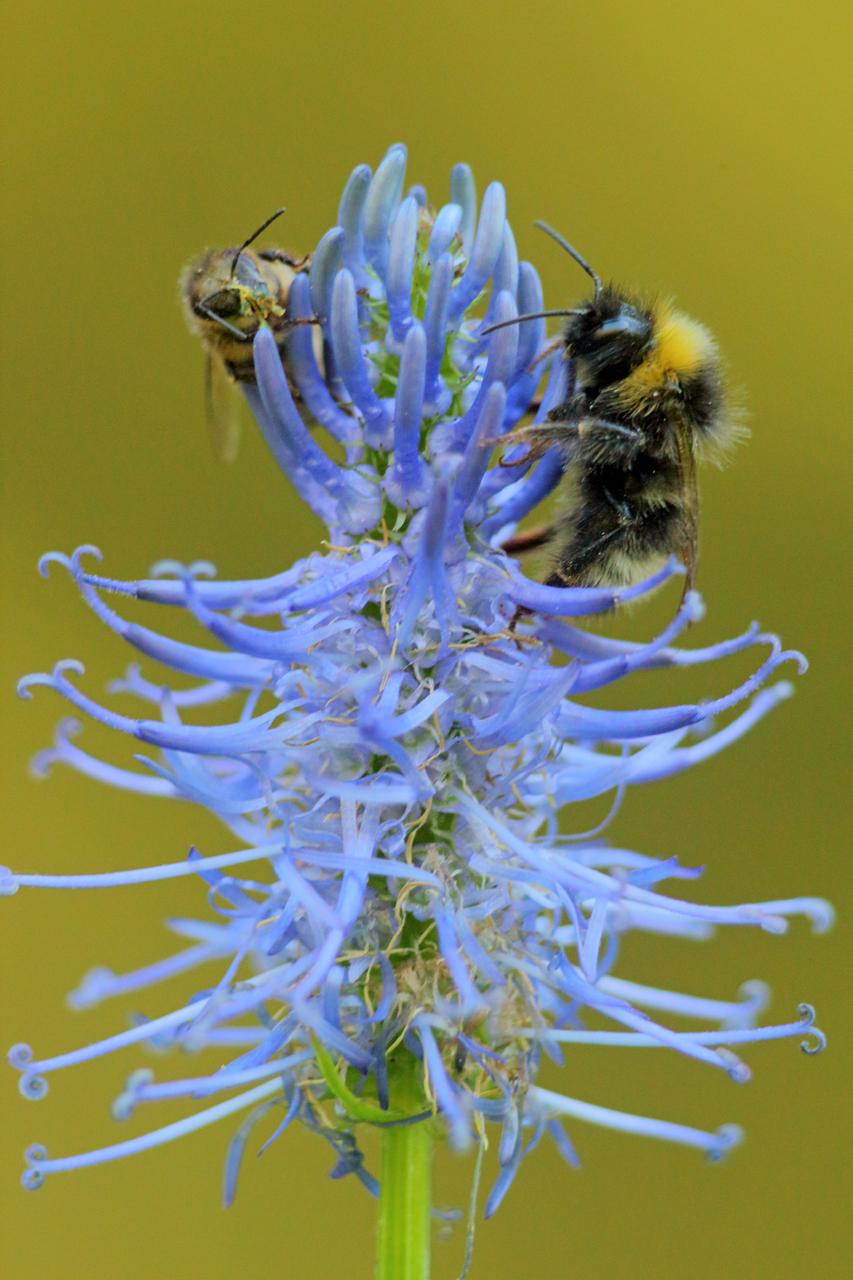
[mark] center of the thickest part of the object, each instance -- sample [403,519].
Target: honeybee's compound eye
[225,304]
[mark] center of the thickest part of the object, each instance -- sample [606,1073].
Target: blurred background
[704,151]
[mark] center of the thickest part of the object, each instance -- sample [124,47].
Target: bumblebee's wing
[690,495]
[223,409]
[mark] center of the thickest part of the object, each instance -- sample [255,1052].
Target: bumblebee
[646,402]
[227,295]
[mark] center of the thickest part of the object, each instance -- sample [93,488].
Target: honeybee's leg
[279,255]
[291,323]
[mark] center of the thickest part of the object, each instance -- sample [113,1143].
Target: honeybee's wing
[690,497]
[223,409]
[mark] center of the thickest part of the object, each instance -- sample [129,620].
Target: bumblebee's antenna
[555,235]
[254,236]
[530,315]
[542,315]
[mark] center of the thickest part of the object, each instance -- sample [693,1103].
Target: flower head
[399,745]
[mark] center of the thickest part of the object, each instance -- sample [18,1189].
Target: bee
[228,294]
[646,402]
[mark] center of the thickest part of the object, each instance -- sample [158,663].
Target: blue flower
[395,754]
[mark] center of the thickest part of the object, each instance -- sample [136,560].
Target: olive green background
[705,152]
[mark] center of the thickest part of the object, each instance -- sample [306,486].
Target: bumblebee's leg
[521,611]
[547,350]
[618,443]
[528,541]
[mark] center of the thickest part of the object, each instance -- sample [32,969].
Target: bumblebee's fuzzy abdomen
[621,524]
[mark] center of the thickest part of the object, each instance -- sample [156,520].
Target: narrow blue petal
[324,268]
[506,276]
[477,453]
[358,500]
[39,1164]
[382,199]
[677,759]
[281,446]
[340,578]
[408,482]
[351,218]
[346,341]
[484,254]
[576,602]
[531,334]
[444,1089]
[447,223]
[506,488]
[418,192]
[714,1144]
[398,287]
[500,367]
[428,577]
[437,396]
[463,192]
[309,379]
[503,1182]
[236,1147]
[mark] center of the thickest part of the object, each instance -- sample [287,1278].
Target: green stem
[405,1203]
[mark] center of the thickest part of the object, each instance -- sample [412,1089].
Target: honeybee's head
[218,283]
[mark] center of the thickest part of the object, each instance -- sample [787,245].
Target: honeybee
[646,402]
[227,295]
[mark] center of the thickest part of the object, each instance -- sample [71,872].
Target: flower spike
[393,747]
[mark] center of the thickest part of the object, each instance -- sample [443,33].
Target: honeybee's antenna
[254,236]
[555,235]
